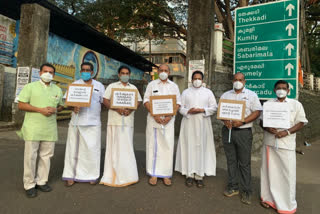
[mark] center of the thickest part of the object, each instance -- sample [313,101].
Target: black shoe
[246,198]
[44,188]
[31,193]
[200,183]
[189,182]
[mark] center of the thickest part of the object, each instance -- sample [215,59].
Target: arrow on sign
[289,47]
[290,7]
[290,87]
[289,67]
[289,28]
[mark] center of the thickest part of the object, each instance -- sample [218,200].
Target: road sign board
[266,46]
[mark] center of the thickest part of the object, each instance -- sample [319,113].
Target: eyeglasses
[83,70]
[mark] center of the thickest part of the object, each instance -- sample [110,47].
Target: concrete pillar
[33,35]
[33,41]
[218,43]
[317,83]
[200,34]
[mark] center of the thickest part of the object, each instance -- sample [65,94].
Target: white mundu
[278,169]
[196,151]
[160,139]
[120,166]
[82,157]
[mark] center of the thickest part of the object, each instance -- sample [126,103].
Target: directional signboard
[266,46]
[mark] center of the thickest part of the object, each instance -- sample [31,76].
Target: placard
[163,105]
[124,98]
[22,80]
[35,74]
[79,95]
[231,110]
[276,115]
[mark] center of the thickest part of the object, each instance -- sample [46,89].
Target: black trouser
[238,153]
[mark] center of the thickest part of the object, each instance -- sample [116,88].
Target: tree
[313,34]
[131,19]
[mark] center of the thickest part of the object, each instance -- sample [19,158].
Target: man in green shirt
[41,100]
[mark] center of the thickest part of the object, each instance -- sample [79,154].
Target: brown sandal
[265,205]
[167,181]
[69,183]
[153,181]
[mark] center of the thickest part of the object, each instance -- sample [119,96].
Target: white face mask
[46,77]
[163,75]
[237,85]
[197,83]
[281,93]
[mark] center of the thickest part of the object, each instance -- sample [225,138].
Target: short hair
[197,72]
[124,67]
[281,82]
[87,63]
[165,65]
[48,65]
[244,76]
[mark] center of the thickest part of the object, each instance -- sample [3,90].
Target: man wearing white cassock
[278,169]
[120,166]
[196,155]
[82,157]
[160,130]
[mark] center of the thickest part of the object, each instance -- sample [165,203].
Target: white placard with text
[276,115]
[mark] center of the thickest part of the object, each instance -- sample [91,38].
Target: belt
[239,129]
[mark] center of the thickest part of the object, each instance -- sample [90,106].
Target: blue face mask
[86,76]
[124,78]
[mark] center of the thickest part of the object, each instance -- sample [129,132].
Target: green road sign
[266,46]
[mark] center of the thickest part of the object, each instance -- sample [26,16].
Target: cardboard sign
[276,115]
[231,110]
[79,95]
[124,98]
[163,105]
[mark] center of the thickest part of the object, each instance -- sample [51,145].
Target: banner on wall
[7,35]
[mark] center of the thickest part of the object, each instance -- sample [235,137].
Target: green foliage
[133,20]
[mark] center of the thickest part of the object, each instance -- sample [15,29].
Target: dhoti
[120,166]
[82,157]
[159,150]
[278,179]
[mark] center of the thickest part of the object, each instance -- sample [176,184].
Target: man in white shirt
[160,130]
[120,166]
[82,157]
[238,151]
[196,155]
[278,169]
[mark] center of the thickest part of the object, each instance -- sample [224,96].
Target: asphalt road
[141,197]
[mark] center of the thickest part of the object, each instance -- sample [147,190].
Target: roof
[71,28]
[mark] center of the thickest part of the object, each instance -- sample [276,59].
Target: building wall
[65,52]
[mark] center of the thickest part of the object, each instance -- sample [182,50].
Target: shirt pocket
[155,91]
[96,96]
[54,100]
